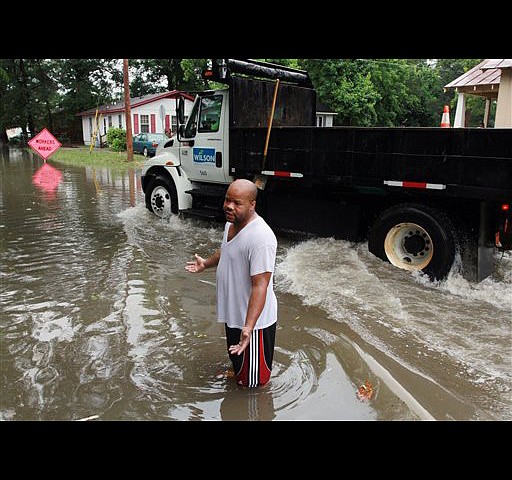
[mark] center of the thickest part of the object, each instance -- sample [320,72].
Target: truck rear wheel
[161,197]
[415,237]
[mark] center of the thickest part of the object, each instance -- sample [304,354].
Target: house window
[90,126]
[120,121]
[319,121]
[144,123]
[110,121]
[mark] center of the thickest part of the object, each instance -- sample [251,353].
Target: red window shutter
[135,123]
[153,123]
[167,122]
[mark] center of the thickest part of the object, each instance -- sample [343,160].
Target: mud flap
[485,262]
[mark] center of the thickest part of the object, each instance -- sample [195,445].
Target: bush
[116,138]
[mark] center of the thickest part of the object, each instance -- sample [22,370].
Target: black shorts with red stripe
[253,367]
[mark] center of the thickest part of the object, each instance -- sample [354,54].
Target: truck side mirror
[181,111]
[180,116]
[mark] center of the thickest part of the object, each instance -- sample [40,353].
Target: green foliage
[96,158]
[152,75]
[27,93]
[37,93]
[83,84]
[193,74]
[286,62]
[448,70]
[346,87]
[155,75]
[406,89]
[116,138]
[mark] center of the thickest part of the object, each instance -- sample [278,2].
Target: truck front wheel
[415,237]
[161,197]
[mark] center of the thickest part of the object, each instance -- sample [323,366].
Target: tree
[448,70]
[286,62]
[377,92]
[153,75]
[367,92]
[406,89]
[4,82]
[84,84]
[28,94]
[346,87]
[193,69]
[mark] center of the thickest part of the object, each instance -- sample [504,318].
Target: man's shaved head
[245,188]
[240,202]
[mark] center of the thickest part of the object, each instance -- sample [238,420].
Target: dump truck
[425,199]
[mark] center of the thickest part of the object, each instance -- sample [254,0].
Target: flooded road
[99,319]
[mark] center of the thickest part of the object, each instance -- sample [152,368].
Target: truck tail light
[503,238]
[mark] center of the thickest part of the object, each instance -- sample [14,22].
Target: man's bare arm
[257,299]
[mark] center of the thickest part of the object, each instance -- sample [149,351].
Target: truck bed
[466,163]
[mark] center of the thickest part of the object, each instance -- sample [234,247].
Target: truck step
[208,191]
[208,198]
[204,213]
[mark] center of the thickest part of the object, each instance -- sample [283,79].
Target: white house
[324,115]
[155,113]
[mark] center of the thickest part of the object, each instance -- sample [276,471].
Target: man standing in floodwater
[246,302]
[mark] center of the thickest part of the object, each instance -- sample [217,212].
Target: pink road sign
[44,143]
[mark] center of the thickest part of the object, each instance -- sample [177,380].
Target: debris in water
[229,373]
[365,391]
[92,417]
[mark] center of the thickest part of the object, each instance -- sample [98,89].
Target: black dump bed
[251,104]
[459,162]
[470,162]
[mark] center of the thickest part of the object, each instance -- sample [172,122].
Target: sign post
[44,143]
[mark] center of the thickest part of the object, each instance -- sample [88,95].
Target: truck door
[203,151]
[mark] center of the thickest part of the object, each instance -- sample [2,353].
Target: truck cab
[193,162]
[191,173]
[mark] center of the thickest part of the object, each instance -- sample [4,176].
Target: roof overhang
[483,79]
[134,103]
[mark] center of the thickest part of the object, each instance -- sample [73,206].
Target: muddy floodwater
[100,321]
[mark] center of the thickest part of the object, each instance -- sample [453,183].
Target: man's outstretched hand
[245,339]
[197,266]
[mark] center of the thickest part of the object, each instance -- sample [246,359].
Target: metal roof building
[491,79]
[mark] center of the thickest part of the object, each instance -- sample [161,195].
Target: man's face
[238,207]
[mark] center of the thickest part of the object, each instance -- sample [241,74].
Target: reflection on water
[100,321]
[47,178]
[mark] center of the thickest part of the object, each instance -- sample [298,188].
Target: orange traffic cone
[445,119]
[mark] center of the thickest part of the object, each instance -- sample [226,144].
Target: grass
[98,157]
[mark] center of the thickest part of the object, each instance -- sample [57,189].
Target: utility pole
[127,111]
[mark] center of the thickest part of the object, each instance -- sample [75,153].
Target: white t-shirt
[250,252]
